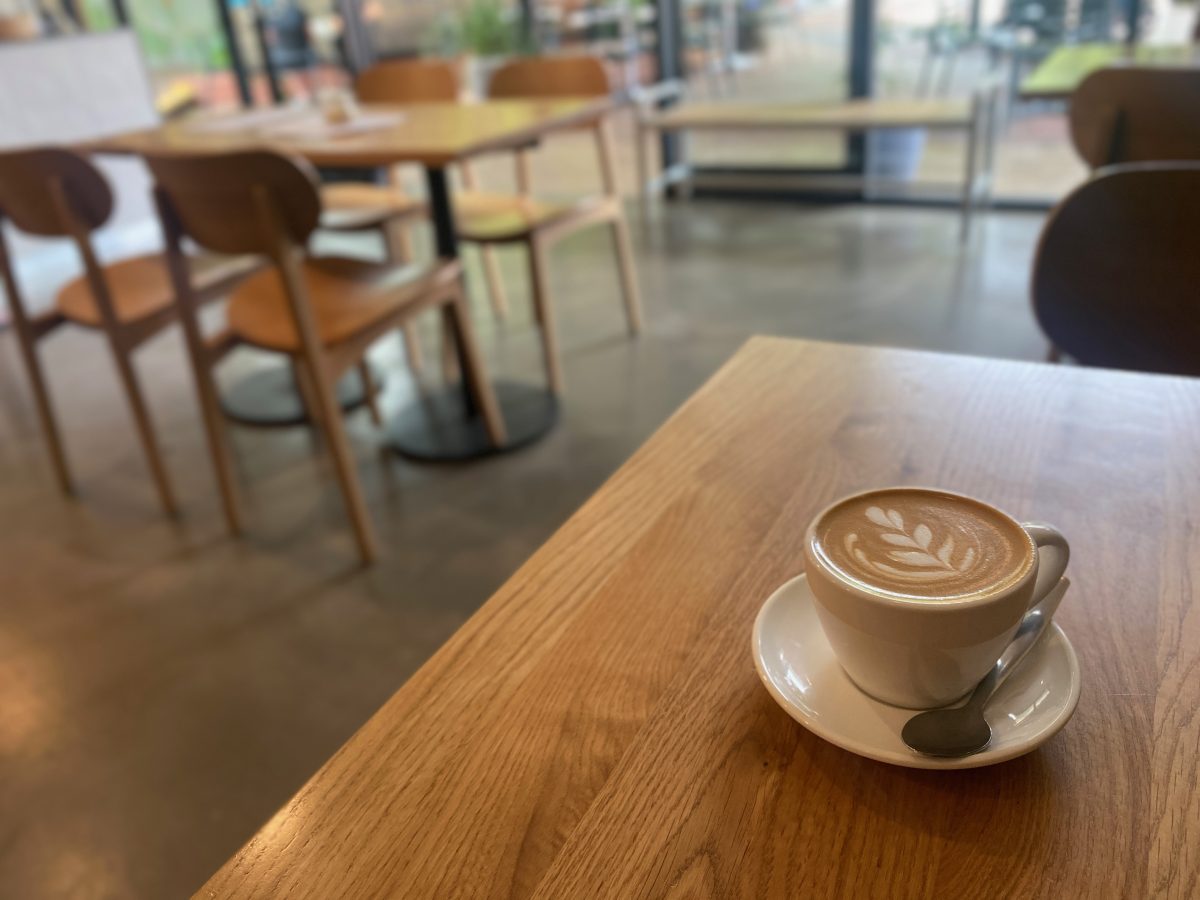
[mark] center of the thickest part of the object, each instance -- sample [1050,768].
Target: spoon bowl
[948,732]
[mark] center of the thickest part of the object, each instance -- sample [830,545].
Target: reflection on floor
[164,689]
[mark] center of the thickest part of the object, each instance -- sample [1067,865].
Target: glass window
[770,51]
[927,48]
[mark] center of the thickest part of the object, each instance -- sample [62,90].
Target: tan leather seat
[348,296]
[140,287]
[498,217]
[354,207]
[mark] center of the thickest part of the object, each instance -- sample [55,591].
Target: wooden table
[597,728]
[1057,76]
[443,425]
[975,118]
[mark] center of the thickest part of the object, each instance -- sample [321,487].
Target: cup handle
[1052,544]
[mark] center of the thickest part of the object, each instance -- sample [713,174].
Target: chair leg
[305,389]
[495,285]
[397,238]
[491,268]
[458,317]
[412,347]
[398,247]
[629,285]
[45,411]
[450,367]
[643,173]
[330,421]
[370,391]
[970,174]
[218,444]
[544,310]
[145,429]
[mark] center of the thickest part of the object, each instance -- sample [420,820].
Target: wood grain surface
[597,728]
[434,134]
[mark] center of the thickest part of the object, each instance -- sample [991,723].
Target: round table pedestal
[268,398]
[436,427]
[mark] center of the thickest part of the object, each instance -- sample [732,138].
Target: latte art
[911,557]
[923,543]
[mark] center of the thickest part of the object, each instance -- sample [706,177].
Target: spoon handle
[1035,622]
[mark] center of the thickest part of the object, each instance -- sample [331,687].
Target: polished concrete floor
[163,689]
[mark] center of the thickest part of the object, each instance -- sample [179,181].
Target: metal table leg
[442,425]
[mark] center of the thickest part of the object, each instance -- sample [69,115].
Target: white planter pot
[477,73]
[895,153]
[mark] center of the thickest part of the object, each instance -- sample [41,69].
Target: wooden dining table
[442,424]
[597,728]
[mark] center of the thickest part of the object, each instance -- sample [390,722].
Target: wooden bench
[975,117]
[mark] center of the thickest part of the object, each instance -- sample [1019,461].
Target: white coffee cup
[930,650]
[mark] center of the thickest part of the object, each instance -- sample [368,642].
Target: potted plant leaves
[483,35]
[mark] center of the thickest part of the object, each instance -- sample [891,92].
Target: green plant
[98,14]
[487,30]
[483,28]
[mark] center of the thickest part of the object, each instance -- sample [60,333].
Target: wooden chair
[415,81]
[354,207]
[521,219]
[20,27]
[1136,114]
[1116,279]
[56,193]
[490,219]
[408,81]
[322,313]
[357,207]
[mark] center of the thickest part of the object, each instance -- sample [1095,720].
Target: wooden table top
[850,114]
[433,134]
[1057,76]
[597,728]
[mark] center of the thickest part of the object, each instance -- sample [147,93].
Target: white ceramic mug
[923,653]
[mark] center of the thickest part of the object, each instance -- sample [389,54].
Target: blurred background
[163,688]
[217,53]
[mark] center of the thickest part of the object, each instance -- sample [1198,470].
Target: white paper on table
[258,119]
[315,127]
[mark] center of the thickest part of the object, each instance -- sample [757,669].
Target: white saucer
[797,666]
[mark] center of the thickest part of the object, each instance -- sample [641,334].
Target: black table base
[441,425]
[437,427]
[268,398]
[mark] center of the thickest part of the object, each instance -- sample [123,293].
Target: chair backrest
[52,192]
[408,81]
[33,184]
[19,26]
[225,201]
[551,76]
[1128,114]
[1116,279]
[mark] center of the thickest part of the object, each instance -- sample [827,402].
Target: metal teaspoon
[963,730]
